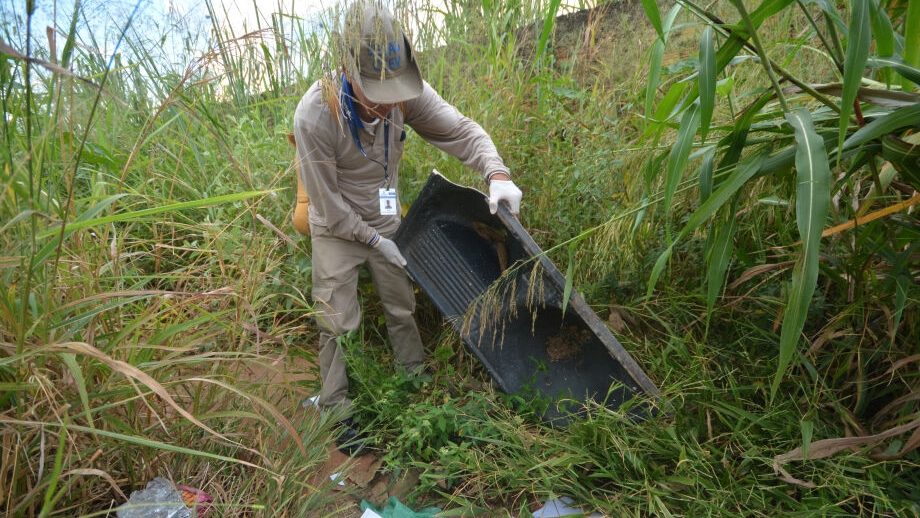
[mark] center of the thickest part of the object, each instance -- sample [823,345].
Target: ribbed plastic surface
[504,297]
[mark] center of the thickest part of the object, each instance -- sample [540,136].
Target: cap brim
[404,87]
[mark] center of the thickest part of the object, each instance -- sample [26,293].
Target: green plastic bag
[396,509]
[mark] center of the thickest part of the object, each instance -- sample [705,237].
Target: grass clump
[154,309]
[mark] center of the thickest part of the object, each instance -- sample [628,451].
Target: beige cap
[378,55]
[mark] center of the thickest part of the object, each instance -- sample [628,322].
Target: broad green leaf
[675,94]
[677,161]
[727,53]
[725,86]
[706,174]
[857,54]
[881,30]
[744,172]
[22,216]
[730,49]
[894,121]
[779,161]
[644,203]
[707,80]
[766,9]
[656,54]
[666,109]
[899,65]
[96,208]
[657,269]
[736,141]
[739,34]
[654,16]
[808,428]
[811,206]
[668,21]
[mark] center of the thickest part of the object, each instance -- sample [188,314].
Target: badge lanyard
[351,116]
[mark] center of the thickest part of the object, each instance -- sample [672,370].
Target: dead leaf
[828,447]
[618,319]
[363,470]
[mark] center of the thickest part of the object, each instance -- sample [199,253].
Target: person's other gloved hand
[390,251]
[504,190]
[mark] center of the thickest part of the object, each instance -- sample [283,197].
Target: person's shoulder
[314,105]
[313,98]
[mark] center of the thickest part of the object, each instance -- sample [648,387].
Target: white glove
[390,251]
[504,190]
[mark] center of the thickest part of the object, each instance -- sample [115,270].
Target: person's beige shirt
[343,184]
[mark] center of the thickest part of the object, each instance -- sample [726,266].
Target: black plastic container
[504,297]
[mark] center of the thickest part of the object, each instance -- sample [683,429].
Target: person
[350,132]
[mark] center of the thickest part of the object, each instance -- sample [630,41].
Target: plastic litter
[159,500]
[396,509]
[559,507]
[163,499]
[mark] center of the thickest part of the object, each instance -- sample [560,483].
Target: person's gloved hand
[504,190]
[389,250]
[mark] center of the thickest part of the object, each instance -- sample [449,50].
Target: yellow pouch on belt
[300,219]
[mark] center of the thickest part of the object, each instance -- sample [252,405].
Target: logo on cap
[385,56]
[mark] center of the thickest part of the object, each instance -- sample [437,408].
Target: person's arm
[315,132]
[443,126]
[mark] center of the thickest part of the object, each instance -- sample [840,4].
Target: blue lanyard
[351,116]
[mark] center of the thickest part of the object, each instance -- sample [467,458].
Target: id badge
[388,205]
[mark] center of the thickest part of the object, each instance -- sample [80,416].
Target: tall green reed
[162,286]
[135,289]
[830,138]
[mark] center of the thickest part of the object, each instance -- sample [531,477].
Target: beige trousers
[336,263]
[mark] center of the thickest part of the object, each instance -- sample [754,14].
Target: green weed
[154,301]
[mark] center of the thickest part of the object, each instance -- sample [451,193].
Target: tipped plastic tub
[504,297]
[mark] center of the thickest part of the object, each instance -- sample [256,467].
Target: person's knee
[403,316]
[336,313]
[335,326]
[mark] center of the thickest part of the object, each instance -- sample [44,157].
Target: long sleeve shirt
[343,184]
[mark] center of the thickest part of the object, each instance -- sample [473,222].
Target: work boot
[348,438]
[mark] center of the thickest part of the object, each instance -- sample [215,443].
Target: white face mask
[371,127]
